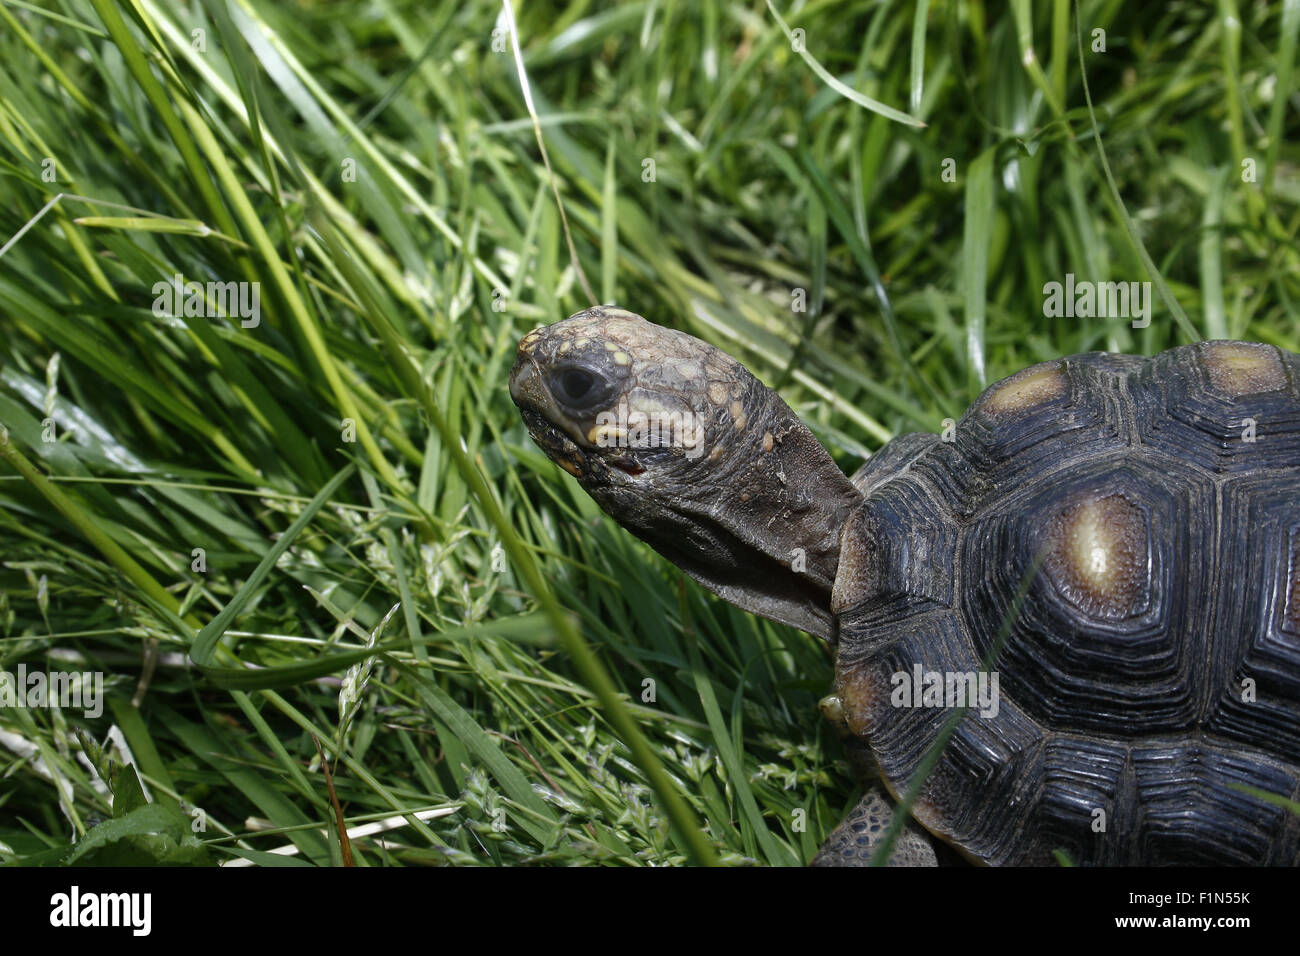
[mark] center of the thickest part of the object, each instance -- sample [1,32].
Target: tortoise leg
[854,841]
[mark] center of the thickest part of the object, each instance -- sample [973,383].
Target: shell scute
[1125,557]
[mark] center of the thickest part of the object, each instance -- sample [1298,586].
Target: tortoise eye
[580,388]
[576,383]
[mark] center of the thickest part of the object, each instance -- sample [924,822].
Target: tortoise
[1080,604]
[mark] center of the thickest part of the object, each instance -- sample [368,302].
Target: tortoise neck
[758,519]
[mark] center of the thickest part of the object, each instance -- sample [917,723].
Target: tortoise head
[685,448]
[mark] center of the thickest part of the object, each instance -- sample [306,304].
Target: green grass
[509,718]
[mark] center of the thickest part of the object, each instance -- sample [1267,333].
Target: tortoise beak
[526,385]
[549,429]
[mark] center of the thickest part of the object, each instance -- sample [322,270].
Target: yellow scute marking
[1098,555]
[1243,368]
[859,697]
[1034,386]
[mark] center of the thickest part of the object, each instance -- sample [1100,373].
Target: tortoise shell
[1111,545]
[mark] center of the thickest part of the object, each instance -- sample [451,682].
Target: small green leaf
[127,793]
